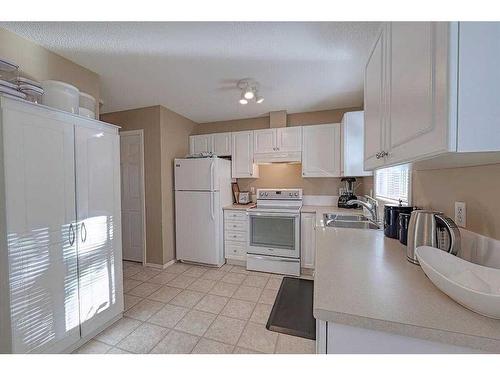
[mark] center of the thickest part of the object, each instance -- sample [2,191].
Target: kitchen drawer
[240,226]
[235,215]
[236,249]
[230,235]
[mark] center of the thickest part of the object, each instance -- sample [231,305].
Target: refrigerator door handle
[212,170]
[212,214]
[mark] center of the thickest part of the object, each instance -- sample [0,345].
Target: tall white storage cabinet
[99,216]
[53,195]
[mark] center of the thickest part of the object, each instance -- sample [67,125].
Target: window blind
[393,183]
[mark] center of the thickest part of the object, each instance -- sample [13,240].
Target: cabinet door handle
[83,233]
[71,234]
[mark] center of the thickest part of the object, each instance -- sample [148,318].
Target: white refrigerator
[202,189]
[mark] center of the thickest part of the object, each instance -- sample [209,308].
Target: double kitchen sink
[349,221]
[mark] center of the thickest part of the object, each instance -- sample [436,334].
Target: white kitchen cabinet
[307,239]
[430,89]
[242,163]
[39,275]
[289,139]
[352,145]
[221,144]
[321,150]
[374,104]
[278,144]
[264,141]
[98,202]
[235,235]
[42,260]
[200,143]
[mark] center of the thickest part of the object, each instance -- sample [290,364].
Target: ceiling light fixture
[249,91]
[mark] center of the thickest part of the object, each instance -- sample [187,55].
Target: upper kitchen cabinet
[351,131]
[374,104]
[219,144]
[429,94]
[321,150]
[278,144]
[242,165]
[200,143]
[222,144]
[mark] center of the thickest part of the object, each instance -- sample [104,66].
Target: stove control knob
[290,194]
[261,194]
[296,194]
[267,194]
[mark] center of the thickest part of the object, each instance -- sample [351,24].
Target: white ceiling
[192,67]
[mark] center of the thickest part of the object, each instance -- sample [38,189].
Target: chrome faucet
[371,205]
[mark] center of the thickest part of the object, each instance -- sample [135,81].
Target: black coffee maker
[347,193]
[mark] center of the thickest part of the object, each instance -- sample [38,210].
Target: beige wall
[165,138]
[40,64]
[477,186]
[175,130]
[147,119]
[290,176]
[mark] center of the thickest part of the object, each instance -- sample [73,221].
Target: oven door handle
[280,214]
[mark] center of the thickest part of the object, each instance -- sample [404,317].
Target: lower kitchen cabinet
[335,338]
[235,235]
[307,239]
[60,253]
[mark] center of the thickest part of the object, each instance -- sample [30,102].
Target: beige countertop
[362,278]
[239,207]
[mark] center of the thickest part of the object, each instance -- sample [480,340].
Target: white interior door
[40,218]
[132,180]
[99,236]
[197,226]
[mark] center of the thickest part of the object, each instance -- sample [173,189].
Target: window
[393,184]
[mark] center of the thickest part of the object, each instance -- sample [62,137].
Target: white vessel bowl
[473,286]
[61,95]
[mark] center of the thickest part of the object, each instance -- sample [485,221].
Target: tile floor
[194,309]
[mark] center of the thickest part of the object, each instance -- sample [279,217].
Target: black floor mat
[292,311]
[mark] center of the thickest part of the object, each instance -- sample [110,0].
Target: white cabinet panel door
[479,77]
[242,160]
[222,144]
[264,141]
[289,139]
[200,143]
[374,104]
[132,192]
[321,150]
[307,239]
[418,85]
[99,216]
[40,212]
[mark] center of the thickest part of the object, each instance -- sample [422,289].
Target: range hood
[278,157]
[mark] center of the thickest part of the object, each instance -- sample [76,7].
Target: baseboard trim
[160,266]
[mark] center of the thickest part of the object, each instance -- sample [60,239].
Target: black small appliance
[347,193]
[391,218]
[404,219]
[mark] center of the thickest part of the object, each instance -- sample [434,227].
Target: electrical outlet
[460,214]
